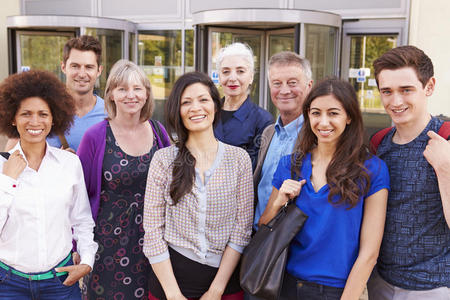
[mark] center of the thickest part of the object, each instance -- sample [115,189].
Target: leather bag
[264,259]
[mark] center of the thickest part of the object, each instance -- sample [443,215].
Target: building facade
[340,38]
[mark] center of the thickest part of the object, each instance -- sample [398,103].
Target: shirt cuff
[9,186]
[238,248]
[159,258]
[88,259]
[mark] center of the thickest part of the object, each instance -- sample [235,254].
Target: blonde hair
[127,72]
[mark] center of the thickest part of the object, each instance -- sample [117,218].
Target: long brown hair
[183,172]
[346,174]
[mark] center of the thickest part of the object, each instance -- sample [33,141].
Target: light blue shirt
[282,144]
[80,125]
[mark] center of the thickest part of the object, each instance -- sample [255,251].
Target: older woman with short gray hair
[241,120]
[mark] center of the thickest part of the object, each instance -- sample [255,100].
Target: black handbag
[264,259]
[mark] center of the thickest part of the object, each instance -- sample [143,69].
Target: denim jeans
[295,289]
[14,287]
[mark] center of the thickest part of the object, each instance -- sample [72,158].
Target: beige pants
[379,289]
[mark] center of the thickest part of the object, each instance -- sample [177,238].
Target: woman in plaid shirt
[198,202]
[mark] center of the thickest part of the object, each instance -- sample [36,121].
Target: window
[364,49]
[42,50]
[159,55]
[321,49]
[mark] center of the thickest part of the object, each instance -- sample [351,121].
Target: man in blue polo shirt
[414,260]
[289,82]
[81,65]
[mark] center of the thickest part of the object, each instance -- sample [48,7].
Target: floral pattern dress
[121,271]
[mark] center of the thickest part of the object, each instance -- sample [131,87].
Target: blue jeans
[14,287]
[295,289]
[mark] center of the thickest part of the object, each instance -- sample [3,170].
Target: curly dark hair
[183,172]
[346,174]
[35,83]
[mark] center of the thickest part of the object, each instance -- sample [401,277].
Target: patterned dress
[121,271]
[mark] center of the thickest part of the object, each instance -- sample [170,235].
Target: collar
[292,129]
[244,110]
[49,151]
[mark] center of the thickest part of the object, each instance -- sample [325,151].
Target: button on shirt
[282,144]
[39,210]
[244,128]
[216,213]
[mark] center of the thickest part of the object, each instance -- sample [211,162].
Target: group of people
[138,217]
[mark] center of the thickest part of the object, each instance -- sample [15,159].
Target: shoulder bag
[264,259]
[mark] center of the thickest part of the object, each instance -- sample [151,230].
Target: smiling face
[129,97]
[235,76]
[288,89]
[33,120]
[197,108]
[328,119]
[81,71]
[403,95]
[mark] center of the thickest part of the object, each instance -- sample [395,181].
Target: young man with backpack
[414,260]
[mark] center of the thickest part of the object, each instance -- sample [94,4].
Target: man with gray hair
[289,82]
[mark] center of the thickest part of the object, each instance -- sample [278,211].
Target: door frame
[368,27]
[242,31]
[14,48]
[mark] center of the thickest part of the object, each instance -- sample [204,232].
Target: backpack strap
[63,141]
[5,154]
[378,136]
[444,131]
[376,139]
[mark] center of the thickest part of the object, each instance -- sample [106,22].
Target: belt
[40,276]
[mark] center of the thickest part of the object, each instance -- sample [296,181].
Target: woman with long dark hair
[198,202]
[342,188]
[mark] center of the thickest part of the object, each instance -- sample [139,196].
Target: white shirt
[39,210]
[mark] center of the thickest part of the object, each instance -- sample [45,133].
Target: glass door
[221,37]
[41,50]
[321,48]
[112,51]
[364,49]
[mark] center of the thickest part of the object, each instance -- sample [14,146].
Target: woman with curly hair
[198,202]
[342,188]
[43,199]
